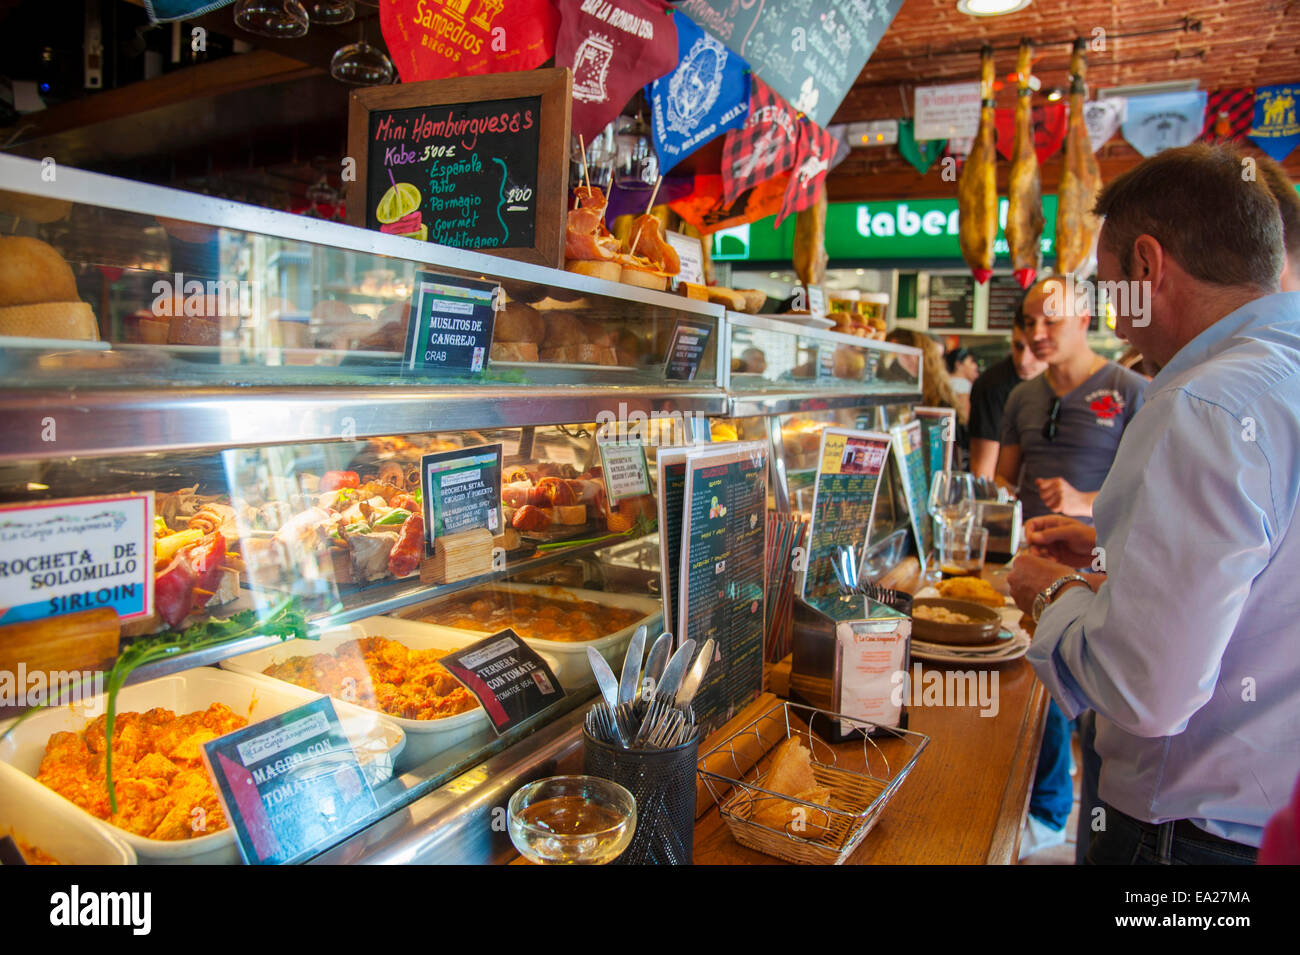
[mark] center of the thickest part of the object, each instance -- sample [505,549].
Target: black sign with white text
[509,677]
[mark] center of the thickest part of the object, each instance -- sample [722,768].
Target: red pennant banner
[816,151]
[614,47]
[1228,115]
[434,39]
[766,145]
[1049,121]
[706,209]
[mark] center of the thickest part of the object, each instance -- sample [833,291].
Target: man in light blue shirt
[1188,648]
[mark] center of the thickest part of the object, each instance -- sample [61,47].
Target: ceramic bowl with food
[954,622]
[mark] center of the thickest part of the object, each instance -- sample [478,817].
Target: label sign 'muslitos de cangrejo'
[59,557]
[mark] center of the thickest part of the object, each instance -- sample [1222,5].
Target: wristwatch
[1048,594]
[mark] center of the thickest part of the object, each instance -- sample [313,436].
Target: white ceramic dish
[424,738]
[55,825]
[377,741]
[568,660]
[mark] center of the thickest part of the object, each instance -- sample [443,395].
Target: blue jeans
[1090,773]
[1126,841]
[1053,794]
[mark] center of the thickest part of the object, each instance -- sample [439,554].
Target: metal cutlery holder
[663,783]
[823,674]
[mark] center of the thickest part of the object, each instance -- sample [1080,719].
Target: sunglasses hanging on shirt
[1049,429]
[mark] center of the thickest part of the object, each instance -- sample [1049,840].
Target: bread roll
[193,330]
[32,272]
[34,208]
[725,296]
[584,354]
[791,774]
[562,328]
[596,332]
[643,279]
[595,268]
[72,320]
[518,322]
[755,299]
[513,351]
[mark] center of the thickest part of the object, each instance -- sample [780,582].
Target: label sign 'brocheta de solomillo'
[59,557]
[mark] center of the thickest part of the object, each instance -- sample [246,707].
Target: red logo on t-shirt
[1106,406]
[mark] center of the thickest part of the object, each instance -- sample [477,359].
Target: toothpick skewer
[650,205]
[585,178]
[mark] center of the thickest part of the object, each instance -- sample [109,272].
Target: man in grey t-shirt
[1060,431]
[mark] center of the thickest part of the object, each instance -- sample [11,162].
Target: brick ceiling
[1216,42]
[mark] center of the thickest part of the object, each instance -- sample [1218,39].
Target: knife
[691,685]
[671,681]
[608,689]
[659,653]
[631,676]
[665,689]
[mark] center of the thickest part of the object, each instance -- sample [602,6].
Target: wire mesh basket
[862,776]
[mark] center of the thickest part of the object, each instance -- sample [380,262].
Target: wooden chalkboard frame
[554,86]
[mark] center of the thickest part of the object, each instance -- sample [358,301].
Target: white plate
[424,738]
[377,741]
[1000,652]
[55,825]
[568,661]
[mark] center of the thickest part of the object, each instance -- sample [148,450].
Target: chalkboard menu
[463,175]
[844,501]
[810,53]
[1005,294]
[909,458]
[473,163]
[952,302]
[724,527]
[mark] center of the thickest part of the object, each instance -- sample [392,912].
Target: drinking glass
[362,64]
[952,503]
[961,550]
[573,820]
[952,498]
[331,12]
[279,19]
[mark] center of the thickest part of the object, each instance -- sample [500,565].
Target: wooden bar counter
[964,800]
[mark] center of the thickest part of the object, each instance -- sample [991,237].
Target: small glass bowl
[546,846]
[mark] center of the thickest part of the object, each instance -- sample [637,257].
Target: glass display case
[257,378]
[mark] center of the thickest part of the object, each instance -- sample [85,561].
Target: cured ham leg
[977,186]
[1025,189]
[1076,226]
[810,241]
